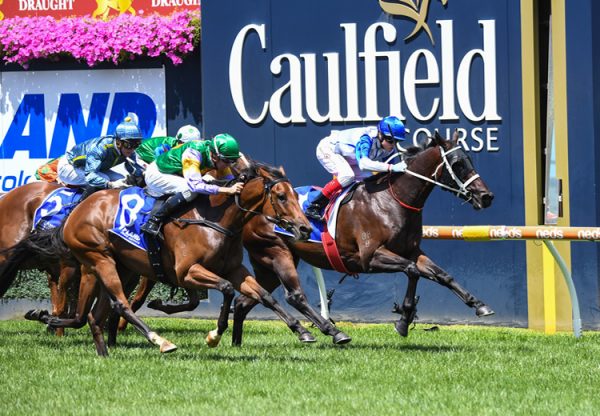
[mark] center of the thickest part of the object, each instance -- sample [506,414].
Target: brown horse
[387,209]
[193,256]
[17,209]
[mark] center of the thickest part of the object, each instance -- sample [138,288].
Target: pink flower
[124,37]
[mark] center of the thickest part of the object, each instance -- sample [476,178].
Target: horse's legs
[409,306]
[96,317]
[107,272]
[168,308]
[279,265]
[199,277]
[144,288]
[59,289]
[432,271]
[383,260]
[131,280]
[242,306]
[246,284]
[87,294]
[57,300]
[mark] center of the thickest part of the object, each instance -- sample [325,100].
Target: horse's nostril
[486,199]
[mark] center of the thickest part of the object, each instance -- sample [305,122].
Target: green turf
[456,370]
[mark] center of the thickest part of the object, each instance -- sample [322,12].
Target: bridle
[277,219]
[462,186]
[460,191]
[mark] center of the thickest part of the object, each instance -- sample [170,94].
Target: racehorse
[17,209]
[193,257]
[385,208]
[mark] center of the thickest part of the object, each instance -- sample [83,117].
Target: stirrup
[152,228]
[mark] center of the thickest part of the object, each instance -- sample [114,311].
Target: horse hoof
[164,344]
[213,338]
[484,310]
[307,338]
[167,347]
[35,314]
[402,327]
[154,304]
[340,338]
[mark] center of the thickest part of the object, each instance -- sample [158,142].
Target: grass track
[457,370]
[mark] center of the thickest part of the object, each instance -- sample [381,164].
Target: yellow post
[532,160]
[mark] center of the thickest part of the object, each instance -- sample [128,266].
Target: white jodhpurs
[159,184]
[336,164]
[69,175]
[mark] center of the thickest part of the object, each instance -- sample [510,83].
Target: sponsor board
[45,113]
[281,77]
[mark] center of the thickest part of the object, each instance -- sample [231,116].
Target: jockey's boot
[314,209]
[154,223]
[316,206]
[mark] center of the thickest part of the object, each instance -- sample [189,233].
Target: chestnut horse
[387,208]
[193,257]
[17,209]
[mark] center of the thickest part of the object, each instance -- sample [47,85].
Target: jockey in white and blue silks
[355,154]
[89,164]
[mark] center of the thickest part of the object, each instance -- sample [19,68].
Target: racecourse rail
[505,232]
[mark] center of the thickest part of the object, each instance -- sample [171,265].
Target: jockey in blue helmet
[355,154]
[89,164]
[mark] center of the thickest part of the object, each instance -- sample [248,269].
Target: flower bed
[93,41]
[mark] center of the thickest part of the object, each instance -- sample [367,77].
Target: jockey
[150,149]
[179,173]
[354,154]
[88,164]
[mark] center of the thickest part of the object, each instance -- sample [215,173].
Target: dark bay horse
[378,231]
[193,256]
[17,209]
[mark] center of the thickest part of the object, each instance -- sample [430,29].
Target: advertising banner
[45,113]
[101,9]
[281,75]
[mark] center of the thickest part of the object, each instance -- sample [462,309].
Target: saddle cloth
[55,208]
[134,208]
[306,194]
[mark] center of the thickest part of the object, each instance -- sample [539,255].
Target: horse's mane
[408,154]
[253,167]
[412,152]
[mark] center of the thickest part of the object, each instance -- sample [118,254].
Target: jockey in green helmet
[180,173]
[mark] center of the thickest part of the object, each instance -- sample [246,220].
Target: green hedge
[33,285]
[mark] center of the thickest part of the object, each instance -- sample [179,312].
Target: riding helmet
[188,133]
[391,126]
[128,129]
[225,146]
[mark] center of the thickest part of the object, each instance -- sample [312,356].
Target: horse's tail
[42,244]
[14,257]
[48,244]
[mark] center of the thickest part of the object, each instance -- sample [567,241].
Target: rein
[277,220]
[462,186]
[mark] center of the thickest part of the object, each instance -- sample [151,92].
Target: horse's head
[459,175]
[268,191]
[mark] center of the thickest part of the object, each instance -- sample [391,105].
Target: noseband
[278,219]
